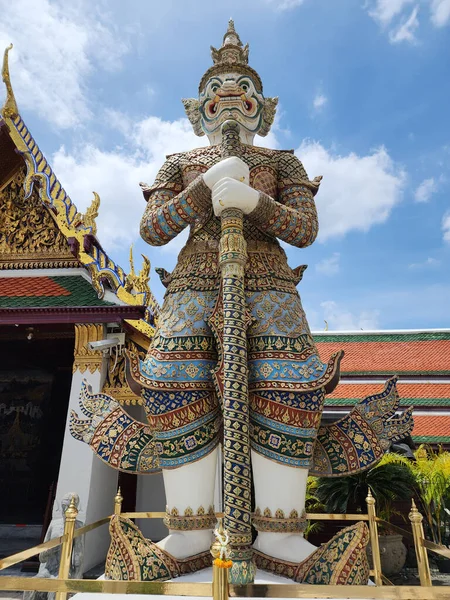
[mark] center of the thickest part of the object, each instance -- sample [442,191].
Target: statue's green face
[231,96]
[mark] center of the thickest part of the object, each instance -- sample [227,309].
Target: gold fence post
[118,498]
[373,526]
[220,583]
[66,548]
[421,552]
[220,573]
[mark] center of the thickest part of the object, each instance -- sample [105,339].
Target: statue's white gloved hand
[229,193]
[232,167]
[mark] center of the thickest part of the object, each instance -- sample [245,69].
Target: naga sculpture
[233,360]
[50,559]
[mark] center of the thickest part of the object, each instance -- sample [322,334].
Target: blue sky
[364,91]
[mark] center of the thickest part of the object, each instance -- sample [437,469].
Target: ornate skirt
[286,378]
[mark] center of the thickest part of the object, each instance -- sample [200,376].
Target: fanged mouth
[229,101]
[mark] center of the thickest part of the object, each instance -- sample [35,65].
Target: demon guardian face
[231,89]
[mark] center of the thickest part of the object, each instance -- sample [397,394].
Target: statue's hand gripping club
[232,167]
[228,181]
[229,193]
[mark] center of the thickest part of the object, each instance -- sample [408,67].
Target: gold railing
[219,589]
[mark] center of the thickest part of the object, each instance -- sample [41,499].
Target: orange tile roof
[431,426]
[390,356]
[406,390]
[14,287]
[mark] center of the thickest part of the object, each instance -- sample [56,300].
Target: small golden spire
[370,499]
[9,109]
[72,510]
[118,496]
[118,499]
[414,514]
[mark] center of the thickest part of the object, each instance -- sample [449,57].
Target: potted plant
[389,481]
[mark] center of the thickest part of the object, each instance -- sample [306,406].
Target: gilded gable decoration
[77,231]
[29,237]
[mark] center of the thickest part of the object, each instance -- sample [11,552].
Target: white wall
[82,472]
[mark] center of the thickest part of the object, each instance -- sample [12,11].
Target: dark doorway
[35,379]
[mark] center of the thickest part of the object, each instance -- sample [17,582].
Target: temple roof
[385,353]
[70,298]
[66,290]
[420,358]
[427,394]
[42,229]
[431,429]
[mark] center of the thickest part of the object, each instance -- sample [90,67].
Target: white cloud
[392,15]
[56,46]
[285,4]
[115,175]
[446,227]
[404,32]
[426,264]
[440,12]
[329,266]
[357,192]
[384,11]
[319,101]
[340,319]
[425,190]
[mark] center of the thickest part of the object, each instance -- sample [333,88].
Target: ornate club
[237,470]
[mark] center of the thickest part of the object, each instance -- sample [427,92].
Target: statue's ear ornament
[192,108]
[270,108]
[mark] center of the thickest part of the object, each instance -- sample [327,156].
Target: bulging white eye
[214,87]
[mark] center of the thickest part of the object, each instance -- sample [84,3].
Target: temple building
[421,359]
[61,291]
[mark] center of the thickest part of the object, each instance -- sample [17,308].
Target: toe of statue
[132,557]
[341,561]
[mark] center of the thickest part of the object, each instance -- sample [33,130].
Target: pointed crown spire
[231,37]
[231,56]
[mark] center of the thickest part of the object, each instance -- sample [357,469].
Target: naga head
[230,89]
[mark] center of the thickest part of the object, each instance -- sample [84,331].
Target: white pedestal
[204,576]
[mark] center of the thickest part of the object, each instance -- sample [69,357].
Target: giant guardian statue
[233,361]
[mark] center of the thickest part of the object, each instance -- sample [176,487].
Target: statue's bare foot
[182,544]
[293,547]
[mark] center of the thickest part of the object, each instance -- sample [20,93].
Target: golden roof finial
[88,218]
[9,109]
[140,281]
[132,271]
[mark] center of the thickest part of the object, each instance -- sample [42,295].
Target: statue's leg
[283,362]
[183,410]
[190,488]
[280,498]
[287,380]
